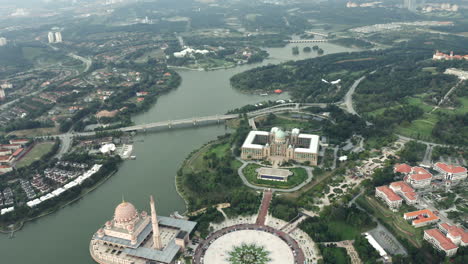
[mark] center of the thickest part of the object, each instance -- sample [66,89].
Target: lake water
[63,237]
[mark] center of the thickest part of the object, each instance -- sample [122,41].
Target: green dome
[280,135]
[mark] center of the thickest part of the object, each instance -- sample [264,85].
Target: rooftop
[421,216]
[455,231]
[450,168]
[402,168]
[391,195]
[444,242]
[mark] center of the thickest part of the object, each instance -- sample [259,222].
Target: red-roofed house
[405,191]
[5,169]
[5,152]
[421,217]
[402,168]
[6,160]
[451,172]
[389,196]
[440,242]
[458,235]
[17,152]
[10,146]
[21,142]
[419,178]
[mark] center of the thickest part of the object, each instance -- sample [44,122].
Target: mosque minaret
[154,221]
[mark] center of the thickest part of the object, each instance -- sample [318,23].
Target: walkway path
[263,211]
[293,189]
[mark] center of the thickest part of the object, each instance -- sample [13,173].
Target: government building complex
[280,146]
[138,238]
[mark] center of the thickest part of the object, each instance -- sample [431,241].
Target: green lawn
[299,176]
[38,151]
[420,129]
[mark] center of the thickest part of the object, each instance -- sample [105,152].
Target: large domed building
[133,237]
[281,146]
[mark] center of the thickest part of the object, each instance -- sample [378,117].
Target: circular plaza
[248,244]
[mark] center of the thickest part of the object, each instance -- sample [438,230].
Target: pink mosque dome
[125,212]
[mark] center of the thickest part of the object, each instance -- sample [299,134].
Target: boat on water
[132,157]
[264,94]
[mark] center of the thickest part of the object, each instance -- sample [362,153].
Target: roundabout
[249,244]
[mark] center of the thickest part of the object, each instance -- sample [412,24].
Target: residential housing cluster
[442,56]
[10,153]
[446,237]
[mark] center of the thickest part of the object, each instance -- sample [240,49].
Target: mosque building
[279,146]
[138,238]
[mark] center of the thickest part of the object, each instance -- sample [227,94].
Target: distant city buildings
[351,4]
[54,37]
[3,41]
[279,146]
[442,56]
[447,7]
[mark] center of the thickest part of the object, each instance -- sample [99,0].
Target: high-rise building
[51,37]
[58,37]
[2,94]
[3,41]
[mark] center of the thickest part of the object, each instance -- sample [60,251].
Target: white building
[389,197]
[419,178]
[440,242]
[405,191]
[451,172]
[458,235]
[3,41]
[51,37]
[190,51]
[278,145]
[2,94]
[58,37]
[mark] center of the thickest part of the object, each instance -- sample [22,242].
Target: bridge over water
[288,107]
[307,40]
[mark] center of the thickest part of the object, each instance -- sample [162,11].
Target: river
[63,237]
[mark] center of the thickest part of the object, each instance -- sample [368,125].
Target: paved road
[406,139]
[248,184]
[348,99]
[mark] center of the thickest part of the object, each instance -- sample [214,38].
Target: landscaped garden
[248,254]
[298,177]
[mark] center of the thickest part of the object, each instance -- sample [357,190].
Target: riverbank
[186,165]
